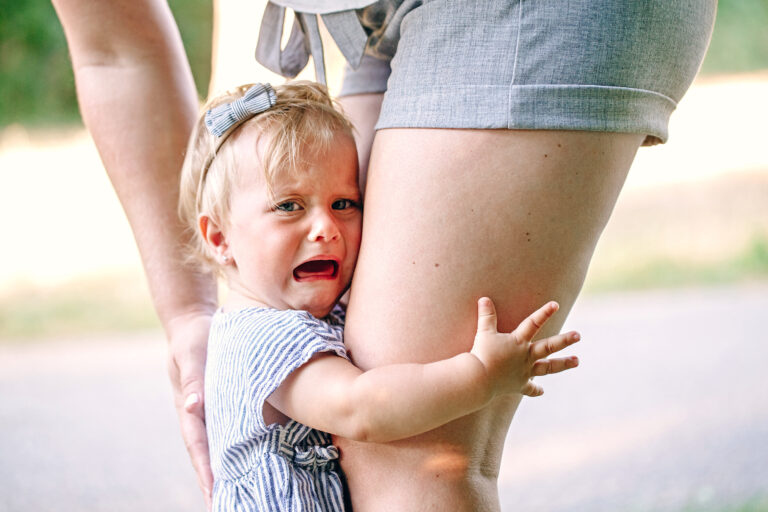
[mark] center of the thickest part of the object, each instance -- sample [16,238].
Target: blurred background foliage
[37,92]
[36,82]
[740,39]
[37,87]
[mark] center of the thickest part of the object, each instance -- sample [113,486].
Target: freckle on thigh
[459,214]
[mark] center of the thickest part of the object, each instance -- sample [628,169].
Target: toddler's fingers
[486,315]
[531,325]
[547,366]
[532,389]
[548,346]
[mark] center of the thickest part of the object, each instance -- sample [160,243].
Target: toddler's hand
[511,359]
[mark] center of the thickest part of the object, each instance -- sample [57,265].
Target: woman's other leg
[363,111]
[451,215]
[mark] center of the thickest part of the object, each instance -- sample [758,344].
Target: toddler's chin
[318,308]
[320,312]
[318,301]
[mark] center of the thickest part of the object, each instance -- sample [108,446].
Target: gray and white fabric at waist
[323,6]
[339,17]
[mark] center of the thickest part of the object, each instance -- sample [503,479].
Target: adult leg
[451,215]
[363,111]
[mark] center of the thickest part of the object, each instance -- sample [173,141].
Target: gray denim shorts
[596,65]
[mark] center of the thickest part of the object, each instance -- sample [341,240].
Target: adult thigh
[452,215]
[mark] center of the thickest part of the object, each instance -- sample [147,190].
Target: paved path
[669,411]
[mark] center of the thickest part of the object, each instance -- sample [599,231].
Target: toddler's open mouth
[316,269]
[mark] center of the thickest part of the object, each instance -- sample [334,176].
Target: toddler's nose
[324,228]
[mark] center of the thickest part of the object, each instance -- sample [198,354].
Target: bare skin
[139,102]
[451,215]
[466,201]
[363,111]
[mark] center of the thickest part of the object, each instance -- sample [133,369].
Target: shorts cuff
[590,108]
[533,107]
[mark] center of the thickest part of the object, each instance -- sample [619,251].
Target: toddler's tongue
[316,268]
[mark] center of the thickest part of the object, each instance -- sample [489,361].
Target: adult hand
[188,341]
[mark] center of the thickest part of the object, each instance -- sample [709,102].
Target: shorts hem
[532,107]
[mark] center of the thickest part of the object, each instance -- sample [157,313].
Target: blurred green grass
[32,45]
[751,263]
[108,303]
[756,504]
[120,303]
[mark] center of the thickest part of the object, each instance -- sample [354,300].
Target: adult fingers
[532,389]
[548,346]
[192,421]
[531,325]
[190,408]
[188,343]
[193,431]
[486,315]
[547,366]
[186,370]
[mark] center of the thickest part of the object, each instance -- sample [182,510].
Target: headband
[222,120]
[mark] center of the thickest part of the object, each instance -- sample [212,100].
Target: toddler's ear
[214,239]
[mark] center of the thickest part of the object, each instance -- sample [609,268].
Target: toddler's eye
[287,206]
[343,204]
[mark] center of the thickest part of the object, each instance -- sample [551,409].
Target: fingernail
[191,400]
[576,336]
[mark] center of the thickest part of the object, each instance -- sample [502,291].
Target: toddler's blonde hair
[303,118]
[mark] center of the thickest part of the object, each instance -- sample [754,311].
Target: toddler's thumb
[532,389]
[486,315]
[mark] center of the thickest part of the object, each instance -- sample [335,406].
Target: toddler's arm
[402,400]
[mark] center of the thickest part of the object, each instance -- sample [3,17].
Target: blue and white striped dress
[258,466]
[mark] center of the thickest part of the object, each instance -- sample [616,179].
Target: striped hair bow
[221,119]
